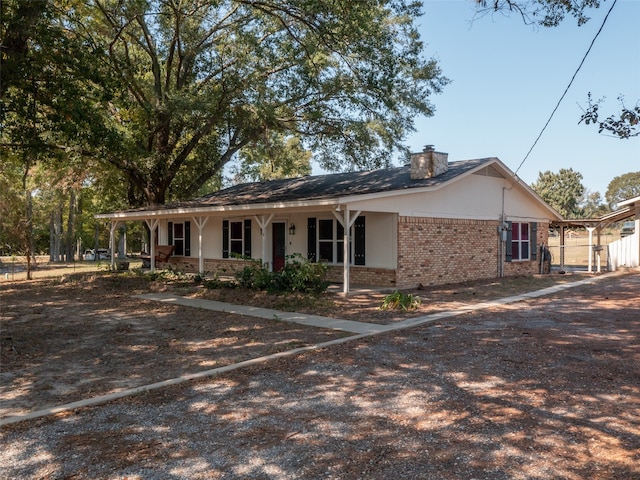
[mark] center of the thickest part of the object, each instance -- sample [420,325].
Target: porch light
[292,229]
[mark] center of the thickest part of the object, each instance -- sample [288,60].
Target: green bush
[398,300]
[298,275]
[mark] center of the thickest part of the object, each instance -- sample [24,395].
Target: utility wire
[566,89]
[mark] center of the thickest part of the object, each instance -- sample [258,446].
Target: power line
[566,89]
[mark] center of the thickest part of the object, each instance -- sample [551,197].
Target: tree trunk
[56,233]
[71,220]
[28,216]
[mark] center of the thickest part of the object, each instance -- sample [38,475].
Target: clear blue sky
[507,77]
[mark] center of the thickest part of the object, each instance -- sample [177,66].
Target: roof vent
[428,163]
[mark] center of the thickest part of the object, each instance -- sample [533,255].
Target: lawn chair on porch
[162,255]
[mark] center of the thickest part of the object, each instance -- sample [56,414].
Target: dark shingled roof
[328,186]
[320,187]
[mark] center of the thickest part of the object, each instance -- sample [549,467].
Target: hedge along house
[431,222]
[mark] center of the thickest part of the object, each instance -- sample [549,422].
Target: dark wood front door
[279,246]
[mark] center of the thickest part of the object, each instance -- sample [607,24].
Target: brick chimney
[428,163]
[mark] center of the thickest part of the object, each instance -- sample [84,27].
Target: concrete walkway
[359,329]
[349,325]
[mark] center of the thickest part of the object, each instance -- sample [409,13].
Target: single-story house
[431,222]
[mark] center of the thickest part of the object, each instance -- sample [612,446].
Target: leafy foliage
[277,157]
[198,81]
[546,13]
[400,301]
[298,275]
[562,190]
[625,124]
[592,205]
[623,187]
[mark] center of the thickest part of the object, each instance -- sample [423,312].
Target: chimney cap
[429,148]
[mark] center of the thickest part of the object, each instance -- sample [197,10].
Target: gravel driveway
[545,388]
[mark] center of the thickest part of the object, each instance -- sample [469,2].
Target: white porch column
[562,247]
[152,224]
[264,222]
[114,226]
[345,286]
[200,223]
[347,222]
[590,230]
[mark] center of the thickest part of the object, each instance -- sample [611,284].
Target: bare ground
[545,388]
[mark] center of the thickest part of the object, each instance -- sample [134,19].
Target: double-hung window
[236,238]
[180,238]
[326,241]
[330,241]
[521,241]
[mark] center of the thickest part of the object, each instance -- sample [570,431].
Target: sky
[507,77]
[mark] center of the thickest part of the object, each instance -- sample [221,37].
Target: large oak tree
[199,80]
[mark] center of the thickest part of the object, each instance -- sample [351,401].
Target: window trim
[185,238]
[531,241]
[244,239]
[356,241]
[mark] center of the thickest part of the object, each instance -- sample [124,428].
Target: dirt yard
[544,388]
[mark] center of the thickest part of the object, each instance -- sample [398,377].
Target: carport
[624,211]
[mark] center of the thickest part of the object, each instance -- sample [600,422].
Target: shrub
[402,301]
[298,275]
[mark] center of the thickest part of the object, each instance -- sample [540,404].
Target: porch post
[114,226]
[345,287]
[562,246]
[347,222]
[200,223]
[590,230]
[263,222]
[152,224]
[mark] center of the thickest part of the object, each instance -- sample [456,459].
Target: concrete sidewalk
[349,325]
[292,317]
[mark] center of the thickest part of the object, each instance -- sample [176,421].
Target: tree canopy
[562,190]
[198,81]
[623,187]
[547,13]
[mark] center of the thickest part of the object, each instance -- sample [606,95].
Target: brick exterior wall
[436,251]
[222,267]
[375,277]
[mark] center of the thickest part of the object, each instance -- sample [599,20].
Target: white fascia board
[631,201]
[183,212]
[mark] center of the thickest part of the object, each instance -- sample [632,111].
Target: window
[522,237]
[330,241]
[180,238]
[520,241]
[236,238]
[326,241]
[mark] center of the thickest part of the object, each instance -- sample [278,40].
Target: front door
[279,246]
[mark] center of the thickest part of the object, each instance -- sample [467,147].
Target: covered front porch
[224,241]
